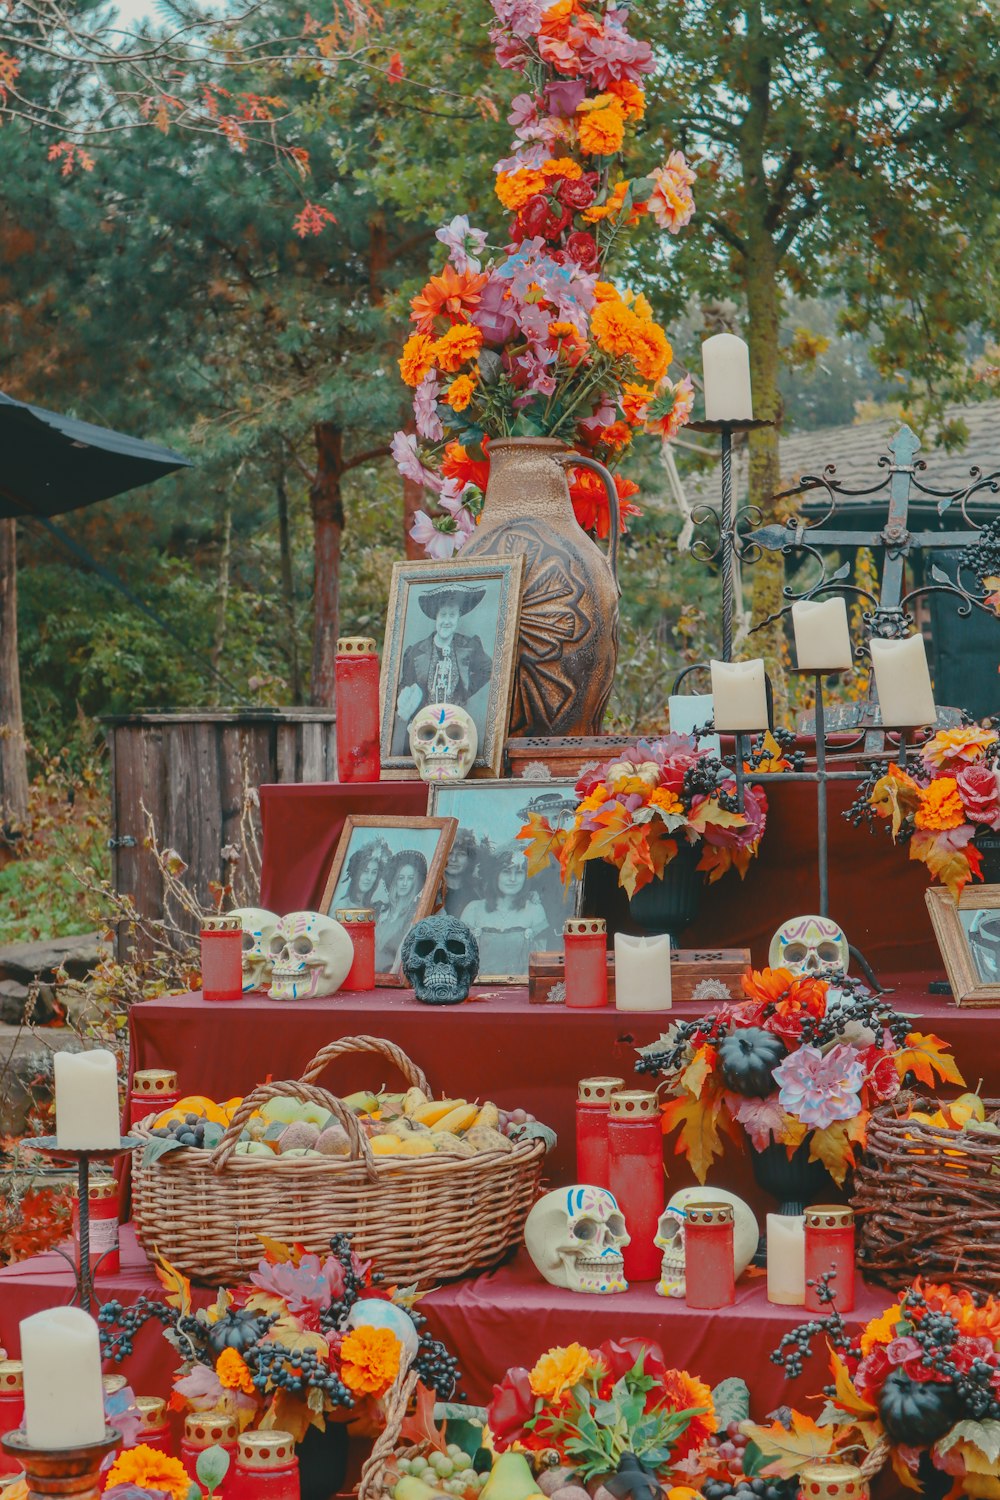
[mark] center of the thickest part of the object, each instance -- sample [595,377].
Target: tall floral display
[535,341]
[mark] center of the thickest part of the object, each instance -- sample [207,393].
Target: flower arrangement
[922,1381]
[638,811]
[536,341]
[798,1060]
[937,808]
[307,1339]
[146,1471]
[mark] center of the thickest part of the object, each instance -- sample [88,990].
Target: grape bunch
[513,1118]
[729,1448]
[190,1131]
[437,1368]
[750,1489]
[451,1472]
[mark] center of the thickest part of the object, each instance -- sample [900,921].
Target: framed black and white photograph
[451,637]
[968,935]
[487,884]
[395,867]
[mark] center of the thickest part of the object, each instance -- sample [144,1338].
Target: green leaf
[731,1399]
[640,188]
[159,1145]
[213,1134]
[534,1130]
[984,1436]
[212,1466]
[753,1460]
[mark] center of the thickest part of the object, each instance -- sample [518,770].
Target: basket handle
[396,1403]
[360,1149]
[414,1076]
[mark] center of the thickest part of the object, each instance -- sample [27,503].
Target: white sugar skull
[443,742]
[670,1235]
[810,945]
[259,927]
[312,955]
[576,1236]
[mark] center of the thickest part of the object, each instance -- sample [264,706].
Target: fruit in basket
[300,1135]
[489,1115]
[966,1109]
[415,1487]
[301,1151]
[198,1105]
[253,1148]
[364,1102]
[458,1119]
[385,1145]
[447,1144]
[510,1478]
[413,1099]
[434,1110]
[333,1141]
[747,1060]
[287,1109]
[485,1138]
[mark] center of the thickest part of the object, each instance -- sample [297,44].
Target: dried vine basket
[421,1218]
[928,1200]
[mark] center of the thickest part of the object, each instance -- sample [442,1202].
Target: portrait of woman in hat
[445,666]
[405,875]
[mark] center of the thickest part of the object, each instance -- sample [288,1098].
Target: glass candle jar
[635,1177]
[151,1091]
[102,1211]
[210,1429]
[709,1262]
[586,944]
[11,1407]
[593,1111]
[830,1247]
[266,1467]
[356,694]
[155,1429]
[832,1481]
[359,923]
[221,958]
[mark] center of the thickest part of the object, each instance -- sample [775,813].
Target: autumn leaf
[287,1414]
[974,1448]
[697,1070]
[846,1396]
[394,72]
[895,795]
[833,1145]
[699,1136]
[789,1451]
[543,843]
[277,1251]
[419,1427]
[715,862]
[174,1283]
[312,220]
[946,856]
[923,1056]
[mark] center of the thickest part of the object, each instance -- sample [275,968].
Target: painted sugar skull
[311,955]
[443,742]
[259,927]
[440,959]
[670,1235]
[576,1236]
[810,945]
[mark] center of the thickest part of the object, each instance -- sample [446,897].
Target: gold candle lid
[634,1104]
[829,1216]
[152,1410]
[709,1213]
[349,914]
[832,1482]
[113,1384]
[266,1450]
[221,924]
[356,645]
[203,1429]
[585,927]
[11,1376]
[154,1081]
[100,1191]
[598,1090]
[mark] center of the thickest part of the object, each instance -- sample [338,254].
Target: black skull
[440,959]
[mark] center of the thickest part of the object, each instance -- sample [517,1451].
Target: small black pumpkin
[917,1412]
[236,1330]
[747,1060]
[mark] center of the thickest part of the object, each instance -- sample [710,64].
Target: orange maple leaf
[789,1451]
[923,1056]
[699,1138]
[394,72]
[174,1283]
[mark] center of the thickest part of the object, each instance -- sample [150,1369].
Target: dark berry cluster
[796,1345]
[677,1054]
[438,1369]
[120,1324]
[750,1489]
[274,1366]
[703,779]
[982,557]
[333,1317]
[937,1333]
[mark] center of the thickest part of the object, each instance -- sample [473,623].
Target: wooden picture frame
[389,841]
[973,969]
[489,815]
[479,661]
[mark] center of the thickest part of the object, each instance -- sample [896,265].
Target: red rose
[578,192]
[880,1073]
[540,216]
[582,248]
[618,1356]
[512,1405]
[979,789]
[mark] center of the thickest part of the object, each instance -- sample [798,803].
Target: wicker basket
[422,1219]
[928,1200]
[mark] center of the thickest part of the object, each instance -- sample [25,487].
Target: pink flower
[404,450]
[425,408]
[614,54]
[307,1289]
[565,96]
[671,202]
[465,244]
[819,1088]
[494,313]
[521,17]
[979,789]
[523,111]
[440,545]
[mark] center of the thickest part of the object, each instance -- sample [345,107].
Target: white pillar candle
[691,711]
[642,972]
[822,636]
[739,689]
[786,1259]
[903,682]
[726,372]
[63,1395]
[87,1112]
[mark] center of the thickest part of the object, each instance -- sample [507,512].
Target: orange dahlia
[684,1392]
[940,806]
[461,343]
[369,1360]
[232,1371]
[635,402]
[559,1370]
[149,1469]
[417,358]
[452,294]
[964,745]
[782,987]
[457,463]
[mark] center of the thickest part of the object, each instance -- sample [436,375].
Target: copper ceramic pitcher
[568,646]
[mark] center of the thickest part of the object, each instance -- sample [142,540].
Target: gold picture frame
[392,844]
[478,660]
[969,940]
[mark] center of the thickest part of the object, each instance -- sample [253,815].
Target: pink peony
[819,1088]
[979,789]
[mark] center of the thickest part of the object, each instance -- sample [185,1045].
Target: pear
[966,1108]
[510,1479]
[410,1487]
[300,1135]
[288,1110]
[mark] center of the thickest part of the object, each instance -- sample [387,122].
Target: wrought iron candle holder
[83,1271]
[74,1472]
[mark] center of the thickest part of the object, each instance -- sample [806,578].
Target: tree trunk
[288,588]
[222,590]
[13,755]
[328,524]
[413,500]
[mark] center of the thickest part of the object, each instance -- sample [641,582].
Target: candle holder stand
[83,1271]
[61,1471]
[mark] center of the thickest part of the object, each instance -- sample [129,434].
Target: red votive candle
[11,1408]
[709,1266]
[222,958]
[830,1247]
[593,1110]
[586,943]
[635,1177]
[210,1429]
[832,1481]
[155,1429]
[266,1467]
[356,691]
[151,1091]
[359,923]
[102,1205]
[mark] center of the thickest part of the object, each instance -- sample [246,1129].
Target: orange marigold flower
[417,358]
[630,96]
[963,745]
[635,402]
[600,125]
[452,294]
[460,392]
[453,349]
[606,291]
[562,166]
[232,1371]
[559,1370]
[515,188]
[149,1469]
[666,800]
[940,806]
[683,1392]
[614,327]
[651,351]
[369,1360]
[881,1330]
